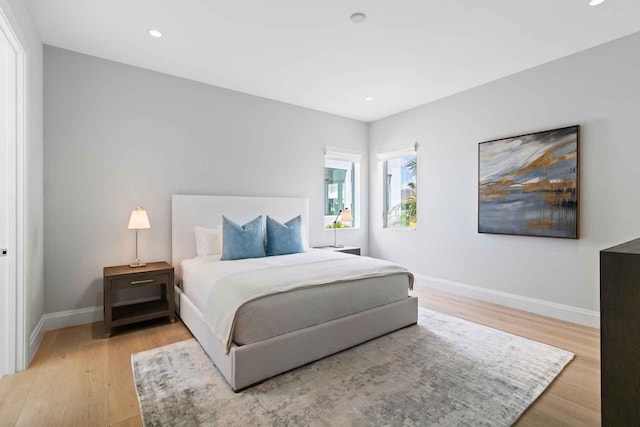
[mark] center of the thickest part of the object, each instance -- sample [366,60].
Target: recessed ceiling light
[595,2]
[155,33]
[368,98]
[358,17]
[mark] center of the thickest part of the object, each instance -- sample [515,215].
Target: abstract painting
[529,184]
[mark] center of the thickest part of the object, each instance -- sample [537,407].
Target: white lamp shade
[139,219]
[346,215]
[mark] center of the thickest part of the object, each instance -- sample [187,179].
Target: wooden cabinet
[124,277]
[620,334]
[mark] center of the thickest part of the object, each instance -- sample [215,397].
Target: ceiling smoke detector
[358,17]
[155,33]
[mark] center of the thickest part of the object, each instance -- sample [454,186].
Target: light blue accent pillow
[242,241]
[284,238]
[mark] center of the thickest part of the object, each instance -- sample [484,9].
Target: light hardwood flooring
[573,399]
[80,378]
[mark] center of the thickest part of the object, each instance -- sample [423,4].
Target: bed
[285,329]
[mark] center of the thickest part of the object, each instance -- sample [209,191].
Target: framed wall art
[528,185]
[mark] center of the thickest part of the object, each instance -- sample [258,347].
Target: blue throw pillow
[239,242]
[284,238]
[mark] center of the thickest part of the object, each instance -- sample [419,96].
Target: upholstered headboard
[207,211]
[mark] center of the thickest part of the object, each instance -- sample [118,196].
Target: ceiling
[309,53]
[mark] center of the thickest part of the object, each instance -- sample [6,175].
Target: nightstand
[125,277]
[353,250]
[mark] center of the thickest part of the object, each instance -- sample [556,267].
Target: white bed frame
[249,364]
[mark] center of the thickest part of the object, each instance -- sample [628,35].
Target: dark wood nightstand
[125,277]
[353,250]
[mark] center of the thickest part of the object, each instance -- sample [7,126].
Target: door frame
[16,344]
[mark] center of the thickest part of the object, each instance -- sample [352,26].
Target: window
[341,181]
[400,192]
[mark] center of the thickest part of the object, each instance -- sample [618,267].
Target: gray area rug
[442,372]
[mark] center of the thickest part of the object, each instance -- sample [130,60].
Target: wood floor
[573,399]
[80,378]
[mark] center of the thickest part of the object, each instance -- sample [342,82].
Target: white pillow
[208,240]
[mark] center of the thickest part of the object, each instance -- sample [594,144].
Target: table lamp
[345,216]
[138,221]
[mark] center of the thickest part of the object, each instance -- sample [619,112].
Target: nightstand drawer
[140,280]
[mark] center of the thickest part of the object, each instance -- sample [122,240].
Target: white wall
[118,137]
[598,89]
[21,22]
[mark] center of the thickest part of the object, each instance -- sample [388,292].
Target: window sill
[400,228]
[342,229]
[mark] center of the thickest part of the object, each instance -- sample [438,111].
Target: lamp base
[137,263]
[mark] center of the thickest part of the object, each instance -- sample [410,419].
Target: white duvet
[235,283]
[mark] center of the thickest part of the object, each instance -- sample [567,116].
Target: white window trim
[412,150]
[335,153]
[342,154]
[383,157]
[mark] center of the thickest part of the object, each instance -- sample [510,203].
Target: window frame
[383,159]
[342,194]
[355,159]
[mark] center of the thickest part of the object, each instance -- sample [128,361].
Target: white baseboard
[61,319]
[64,319]
[545,308]
[34,340]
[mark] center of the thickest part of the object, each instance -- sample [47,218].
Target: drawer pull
[140,282]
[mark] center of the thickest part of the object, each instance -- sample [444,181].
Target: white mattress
[285,312]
